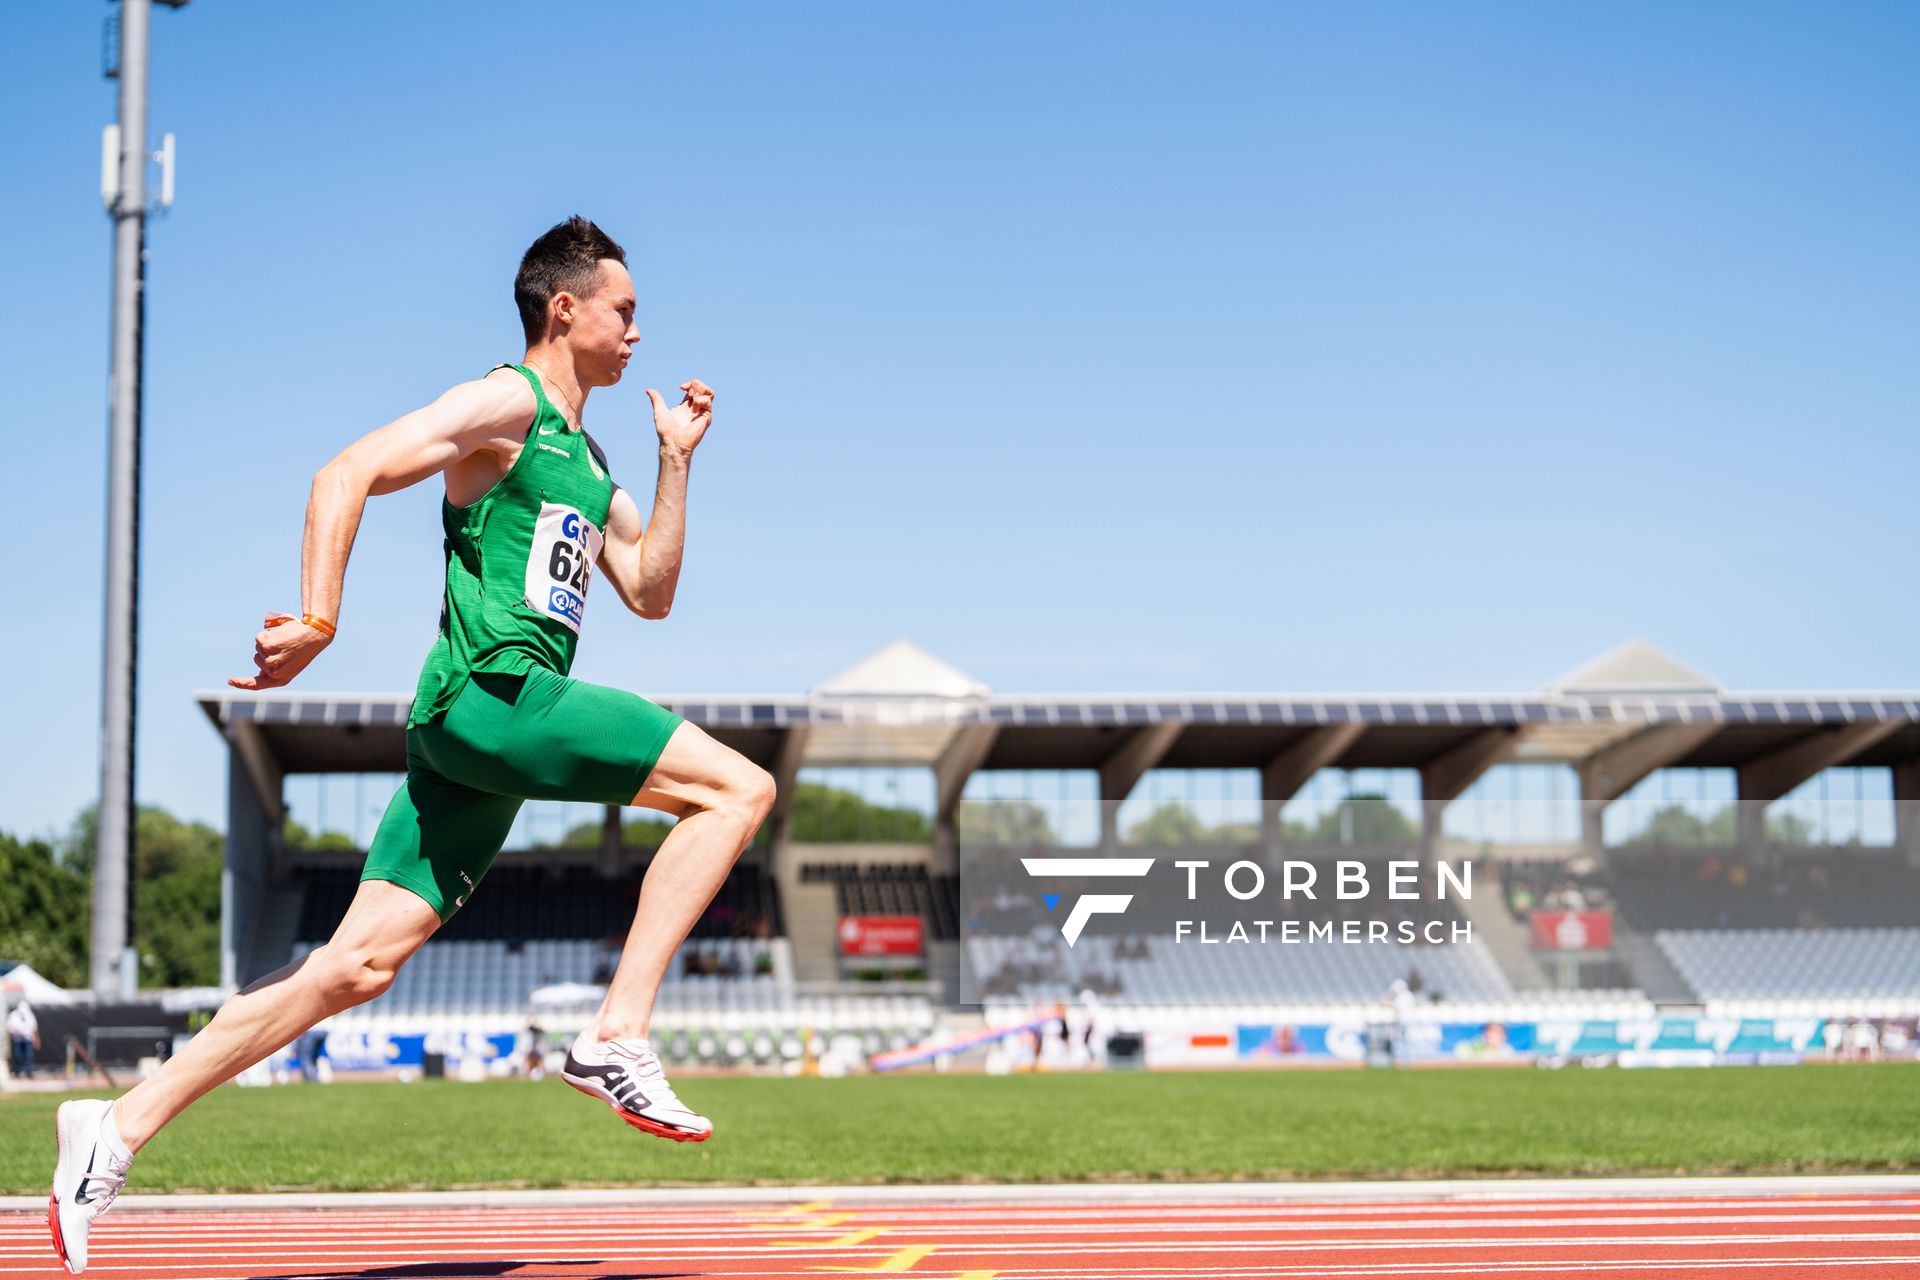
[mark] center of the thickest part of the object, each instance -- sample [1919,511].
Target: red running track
[1836,1236]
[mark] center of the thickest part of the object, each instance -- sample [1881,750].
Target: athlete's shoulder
[499,402]
[507,382]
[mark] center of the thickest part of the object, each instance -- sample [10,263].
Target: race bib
[565,547]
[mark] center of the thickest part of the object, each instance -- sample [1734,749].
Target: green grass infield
[1202,1126]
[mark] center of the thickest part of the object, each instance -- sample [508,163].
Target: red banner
[1572,930]
[882,936]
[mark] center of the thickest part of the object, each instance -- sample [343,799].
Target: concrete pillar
[254,818]
[1138,752]
[1749,821]
[1282,777]
[1445,776]
[785,770]
[1593,838]
[610,839]
[946,846]
[964,753]
[262,771]
[1906,809]
[1614,770]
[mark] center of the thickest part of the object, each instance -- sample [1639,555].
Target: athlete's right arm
[471,417]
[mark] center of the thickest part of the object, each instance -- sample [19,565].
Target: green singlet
[496,720]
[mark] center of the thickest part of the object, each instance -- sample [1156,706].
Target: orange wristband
[318,624]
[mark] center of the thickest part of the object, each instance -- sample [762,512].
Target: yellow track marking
[901,1261]
[824,1220]
[844,1242]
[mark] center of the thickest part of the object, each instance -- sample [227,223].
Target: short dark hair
[564,260]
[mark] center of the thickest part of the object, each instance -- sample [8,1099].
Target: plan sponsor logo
[567,605]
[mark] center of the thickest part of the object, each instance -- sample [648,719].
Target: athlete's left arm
[644,564]
[643,569]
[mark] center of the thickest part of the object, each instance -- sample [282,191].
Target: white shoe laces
[648,1070]
[106,1186]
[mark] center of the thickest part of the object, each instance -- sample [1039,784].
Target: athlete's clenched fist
[281,652]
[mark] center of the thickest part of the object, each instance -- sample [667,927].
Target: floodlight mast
[123,180]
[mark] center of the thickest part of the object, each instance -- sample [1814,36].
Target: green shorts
[507,739]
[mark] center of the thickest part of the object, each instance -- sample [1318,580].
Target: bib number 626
[560,563]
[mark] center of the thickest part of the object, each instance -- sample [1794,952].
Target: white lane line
[135,1206]
[1631,1205]
[1646,1267]
[1266,1273]
[605,1256]
[599,1235]
[1057,1192]
[328,1220]
[161,1227]
[599,1230]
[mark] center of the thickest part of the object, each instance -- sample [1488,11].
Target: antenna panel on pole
[165,156]
[110,166]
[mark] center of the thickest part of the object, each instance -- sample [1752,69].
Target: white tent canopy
[21,981]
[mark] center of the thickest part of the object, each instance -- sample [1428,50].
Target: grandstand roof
[894,708]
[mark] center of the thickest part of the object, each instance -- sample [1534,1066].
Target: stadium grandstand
[1655,861]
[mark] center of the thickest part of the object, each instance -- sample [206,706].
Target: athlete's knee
[366,981]
[352,976]
[752,792]
[744,791]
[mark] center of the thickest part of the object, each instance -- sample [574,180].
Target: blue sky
[1092,347]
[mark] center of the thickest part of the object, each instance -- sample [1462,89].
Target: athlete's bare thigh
[694,772]
[384,925]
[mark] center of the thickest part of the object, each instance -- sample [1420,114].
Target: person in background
[23,1037]
[1404,1003]
[535,1064]
[308,1047]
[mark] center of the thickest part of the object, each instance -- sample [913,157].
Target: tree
[833,815]
[44,911]
[1367,820]
[296,836]
[635,833]
[1004,822]
[818,813]
[1173,824]
[176,893]
[1675,824]
[1788,828]
[176,899]
[76,850]
[1170,825]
